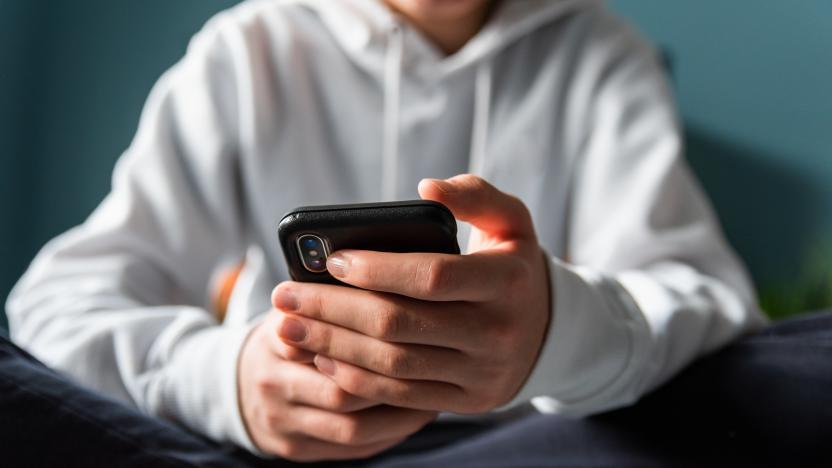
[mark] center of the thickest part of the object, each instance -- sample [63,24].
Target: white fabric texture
[285,103]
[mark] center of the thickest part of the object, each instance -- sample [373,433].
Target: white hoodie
[286,103]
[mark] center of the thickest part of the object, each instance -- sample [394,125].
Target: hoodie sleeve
[649,283]
[120,303]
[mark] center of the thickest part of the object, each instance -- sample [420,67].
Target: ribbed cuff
[201,389]
[591,344]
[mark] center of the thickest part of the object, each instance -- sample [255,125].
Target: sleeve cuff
[201,389]
[595,340]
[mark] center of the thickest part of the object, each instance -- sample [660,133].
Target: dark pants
[766,400]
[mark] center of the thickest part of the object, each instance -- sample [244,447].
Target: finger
[304,385]
[301,448]
[386,317]
[370,426]
[482,276]
[415,394]
[472,199]
[273,323]
[401,361]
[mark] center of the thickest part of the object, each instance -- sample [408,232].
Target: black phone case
[406,226]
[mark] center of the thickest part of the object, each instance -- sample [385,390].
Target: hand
[293,411]
[437,332]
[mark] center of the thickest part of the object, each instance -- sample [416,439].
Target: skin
[448,23]
[293,411]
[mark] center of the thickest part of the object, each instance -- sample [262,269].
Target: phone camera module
[313,252]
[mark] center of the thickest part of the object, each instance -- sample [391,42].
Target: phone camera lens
[313,252]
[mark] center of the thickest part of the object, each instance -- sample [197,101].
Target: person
[595,268]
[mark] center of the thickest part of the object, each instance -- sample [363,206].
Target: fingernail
[292,330]
[338,265]
[285,300]
[325,365]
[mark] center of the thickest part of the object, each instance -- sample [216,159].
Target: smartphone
[309,234]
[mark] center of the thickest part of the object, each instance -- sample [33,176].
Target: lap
[767,398]
[49,421]
[768,395]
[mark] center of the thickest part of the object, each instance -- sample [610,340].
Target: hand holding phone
[309,234]
[422,330]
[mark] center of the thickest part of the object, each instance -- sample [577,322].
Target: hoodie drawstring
[482,117]
[392,109]
[392,104]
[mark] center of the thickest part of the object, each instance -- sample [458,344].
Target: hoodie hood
[383,44]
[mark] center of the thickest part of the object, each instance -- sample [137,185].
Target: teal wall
[753,84]
[752,78]
[73,78]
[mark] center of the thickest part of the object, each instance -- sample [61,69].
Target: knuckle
[401,394]
[334,398]
[477,182]
[323,340]
[389,322]
[437,276]
[263,383]
[351,383]
[290,449]
[396,363]
[519,206]
[348,431]
[272,419]
[318,304]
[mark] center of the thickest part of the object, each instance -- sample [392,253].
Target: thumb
[473,200]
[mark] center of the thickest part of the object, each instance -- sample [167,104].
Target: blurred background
[752,80]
